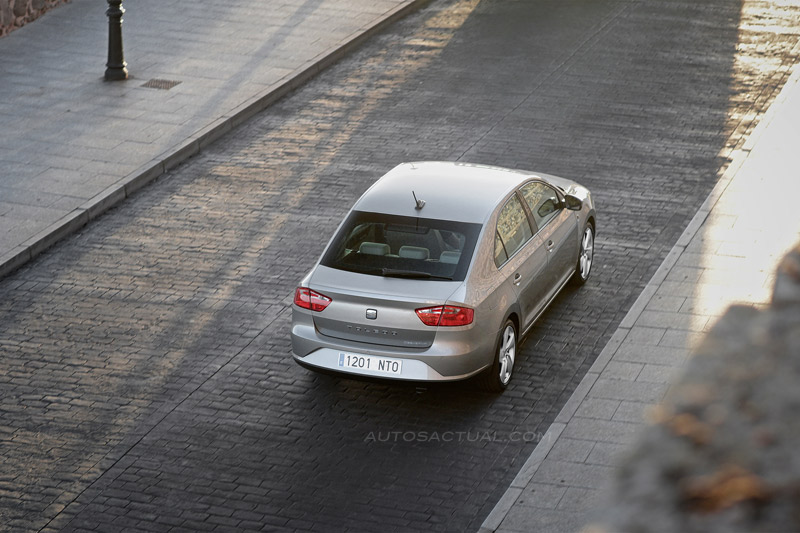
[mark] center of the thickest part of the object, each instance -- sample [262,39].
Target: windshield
[405,247]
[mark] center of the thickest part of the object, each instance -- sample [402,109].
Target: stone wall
[723,451]
[17,13]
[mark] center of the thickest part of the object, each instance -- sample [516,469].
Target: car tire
[497,378]
[583,268]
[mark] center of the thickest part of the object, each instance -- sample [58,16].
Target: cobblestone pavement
[145,375]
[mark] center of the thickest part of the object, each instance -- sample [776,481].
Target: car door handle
[517,278]
[549,246]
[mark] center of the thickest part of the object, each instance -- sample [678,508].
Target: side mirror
[573,203]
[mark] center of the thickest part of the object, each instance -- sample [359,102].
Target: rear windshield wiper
[413,274]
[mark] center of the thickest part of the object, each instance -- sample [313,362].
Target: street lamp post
[116,62]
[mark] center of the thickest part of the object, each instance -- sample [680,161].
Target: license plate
[370,362]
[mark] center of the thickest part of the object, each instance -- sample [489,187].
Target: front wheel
[497,378]
[585,257]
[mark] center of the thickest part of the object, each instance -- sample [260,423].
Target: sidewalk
[73,145]
[727,254]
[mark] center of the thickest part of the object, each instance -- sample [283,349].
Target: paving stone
[579,500]
[606,453]
[670,304]
[681,339]
[656,373]
[644,335]
[673,320]
[168,317]
[648,354]
[541,495]
[521,520]
[597,408]
[572,474]
[632,411]
[617,389]
[570,450]
[601,430]
[622,370]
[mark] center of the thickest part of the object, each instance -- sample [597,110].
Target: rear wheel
[585,257]
[497,378]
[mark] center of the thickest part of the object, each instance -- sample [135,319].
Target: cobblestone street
[146,379]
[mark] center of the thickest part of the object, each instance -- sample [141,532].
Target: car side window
[513,231]
[542,200]
[500,255]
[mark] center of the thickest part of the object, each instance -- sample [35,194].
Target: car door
[521,258]
[558,230]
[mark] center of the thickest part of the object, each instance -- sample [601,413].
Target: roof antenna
[420,203]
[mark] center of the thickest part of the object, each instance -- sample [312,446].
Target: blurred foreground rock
[17,13]
[722,453]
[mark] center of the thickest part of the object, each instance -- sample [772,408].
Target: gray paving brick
[580,500]
[684,274]
[575,475]
[670,304]
[645,335]
[673,320]
[570,450]
[601,430]
[623,370]
[657,373]
[681,338]
[597,408]
[625,390]
[541,495]
[648,354]
[607,454]
[632,411]
[521,520]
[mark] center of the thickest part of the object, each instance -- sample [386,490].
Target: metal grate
[160,84]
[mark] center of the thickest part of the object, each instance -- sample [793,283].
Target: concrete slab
[69,133]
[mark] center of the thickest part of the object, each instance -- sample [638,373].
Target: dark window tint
[543,201]
[408,247]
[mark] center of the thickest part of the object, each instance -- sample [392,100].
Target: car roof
[451,191]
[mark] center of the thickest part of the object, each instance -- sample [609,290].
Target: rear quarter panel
[486,287]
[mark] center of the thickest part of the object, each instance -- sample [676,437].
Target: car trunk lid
[376,309]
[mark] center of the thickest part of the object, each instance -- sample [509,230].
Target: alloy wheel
[508,351]
[587,253]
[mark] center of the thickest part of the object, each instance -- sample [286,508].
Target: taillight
[446,315]
[308,299]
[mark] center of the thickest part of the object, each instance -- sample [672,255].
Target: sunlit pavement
[73,145]
[728,255]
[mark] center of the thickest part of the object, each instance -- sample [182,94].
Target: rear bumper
[327,359]
[453,356]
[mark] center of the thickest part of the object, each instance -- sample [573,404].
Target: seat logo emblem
[372,314]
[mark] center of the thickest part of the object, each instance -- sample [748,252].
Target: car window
[389,245]
[500,255]
[513,230]
[542,200]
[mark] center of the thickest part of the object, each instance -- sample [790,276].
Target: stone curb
[125,187]
[500,511]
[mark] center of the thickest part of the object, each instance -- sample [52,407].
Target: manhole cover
[160,84]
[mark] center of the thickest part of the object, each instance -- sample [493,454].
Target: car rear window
[406,247]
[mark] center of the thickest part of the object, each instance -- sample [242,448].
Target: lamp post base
[116,73]
[116,62]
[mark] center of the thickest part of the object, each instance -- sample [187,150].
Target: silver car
[439,269]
